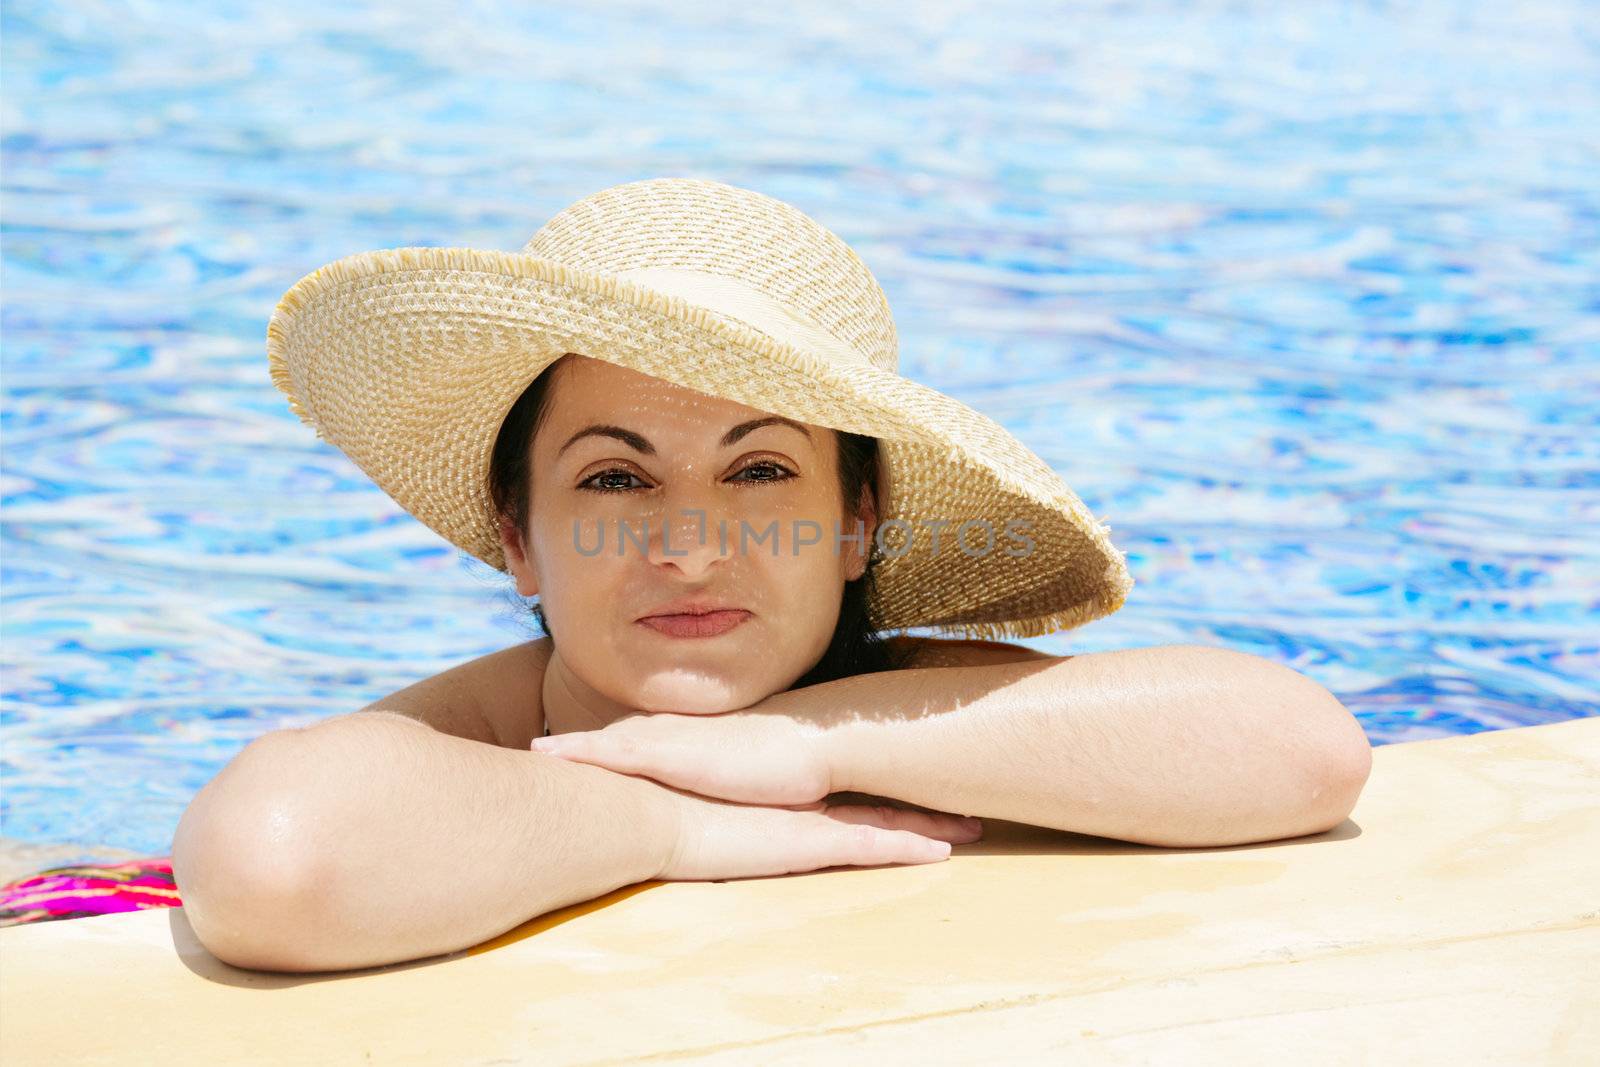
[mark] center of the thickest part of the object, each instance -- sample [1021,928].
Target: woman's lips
[710,624]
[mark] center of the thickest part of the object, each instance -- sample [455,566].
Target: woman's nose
[692,534]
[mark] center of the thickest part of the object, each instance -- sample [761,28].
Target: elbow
[1327,745]
[1339,765]
[1325,753]
[239,867]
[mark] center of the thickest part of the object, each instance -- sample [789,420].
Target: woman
[675,419]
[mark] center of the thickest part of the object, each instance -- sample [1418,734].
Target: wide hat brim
[408,360]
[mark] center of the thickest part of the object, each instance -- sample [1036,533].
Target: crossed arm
[1172,745]
[1176,745]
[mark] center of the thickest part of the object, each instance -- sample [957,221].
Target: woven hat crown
[748,255]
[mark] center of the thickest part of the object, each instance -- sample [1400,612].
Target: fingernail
[546,744]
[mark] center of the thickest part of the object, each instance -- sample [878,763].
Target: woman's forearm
[371,839]
[1178,745]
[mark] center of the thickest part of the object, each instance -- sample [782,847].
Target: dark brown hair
[857,646]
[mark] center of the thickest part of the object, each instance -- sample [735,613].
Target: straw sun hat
[408,359]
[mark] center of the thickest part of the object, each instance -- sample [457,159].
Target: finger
[864,844]
[617,752]
[941,825]
[867,836]
[744,841]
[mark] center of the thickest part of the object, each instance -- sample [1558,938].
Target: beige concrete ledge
[1455,918]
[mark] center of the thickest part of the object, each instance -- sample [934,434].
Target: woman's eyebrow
[640,444]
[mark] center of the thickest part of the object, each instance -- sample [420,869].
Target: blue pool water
[1303,299]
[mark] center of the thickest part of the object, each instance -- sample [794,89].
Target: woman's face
[707,510]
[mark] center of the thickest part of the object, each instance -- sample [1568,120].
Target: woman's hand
[756,757]
[715,839]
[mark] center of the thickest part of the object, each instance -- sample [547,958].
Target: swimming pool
[1306,305]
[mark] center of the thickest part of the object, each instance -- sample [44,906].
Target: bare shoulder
[964,652]
[495,698]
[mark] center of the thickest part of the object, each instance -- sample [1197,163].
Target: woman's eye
[610,488]
[773,472]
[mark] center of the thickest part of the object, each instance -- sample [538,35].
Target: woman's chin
[692,693]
